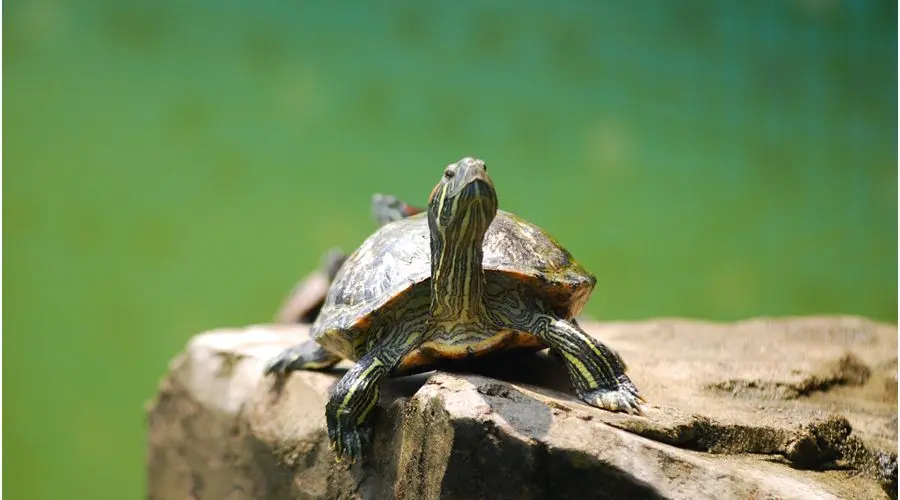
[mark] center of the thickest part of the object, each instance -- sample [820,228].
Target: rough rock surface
[767,408]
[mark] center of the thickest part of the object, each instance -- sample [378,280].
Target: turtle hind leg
[306,356]
[596,371]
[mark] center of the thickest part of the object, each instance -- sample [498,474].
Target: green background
[173,166]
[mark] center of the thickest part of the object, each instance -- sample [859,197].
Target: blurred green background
[173,166]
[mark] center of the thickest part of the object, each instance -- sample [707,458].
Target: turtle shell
[395,262]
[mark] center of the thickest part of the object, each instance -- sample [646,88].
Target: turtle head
[464,198]
[460,210]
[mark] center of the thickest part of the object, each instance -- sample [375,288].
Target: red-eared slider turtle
[460,280]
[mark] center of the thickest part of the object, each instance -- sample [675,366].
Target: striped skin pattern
[460,280]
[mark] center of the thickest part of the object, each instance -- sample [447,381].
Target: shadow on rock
[488,461]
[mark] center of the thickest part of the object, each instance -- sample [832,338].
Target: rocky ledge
[766,408]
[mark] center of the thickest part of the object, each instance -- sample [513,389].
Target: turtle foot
[349,443]
[306,356]
[284,362]
[625,398]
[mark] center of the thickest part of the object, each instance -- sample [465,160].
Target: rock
[788,408]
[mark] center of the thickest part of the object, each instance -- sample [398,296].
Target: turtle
[460,280]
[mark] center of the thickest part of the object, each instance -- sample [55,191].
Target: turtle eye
[449,173]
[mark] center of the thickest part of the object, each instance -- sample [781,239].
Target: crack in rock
[821,445]
[846,371]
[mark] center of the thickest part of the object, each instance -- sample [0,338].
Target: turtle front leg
[350,406]
[597,372]
[308,355]
[351,402]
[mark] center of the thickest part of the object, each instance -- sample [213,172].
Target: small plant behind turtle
[459,280]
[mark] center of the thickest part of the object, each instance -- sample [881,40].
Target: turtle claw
[349,443]
[346,439]
[624,399]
